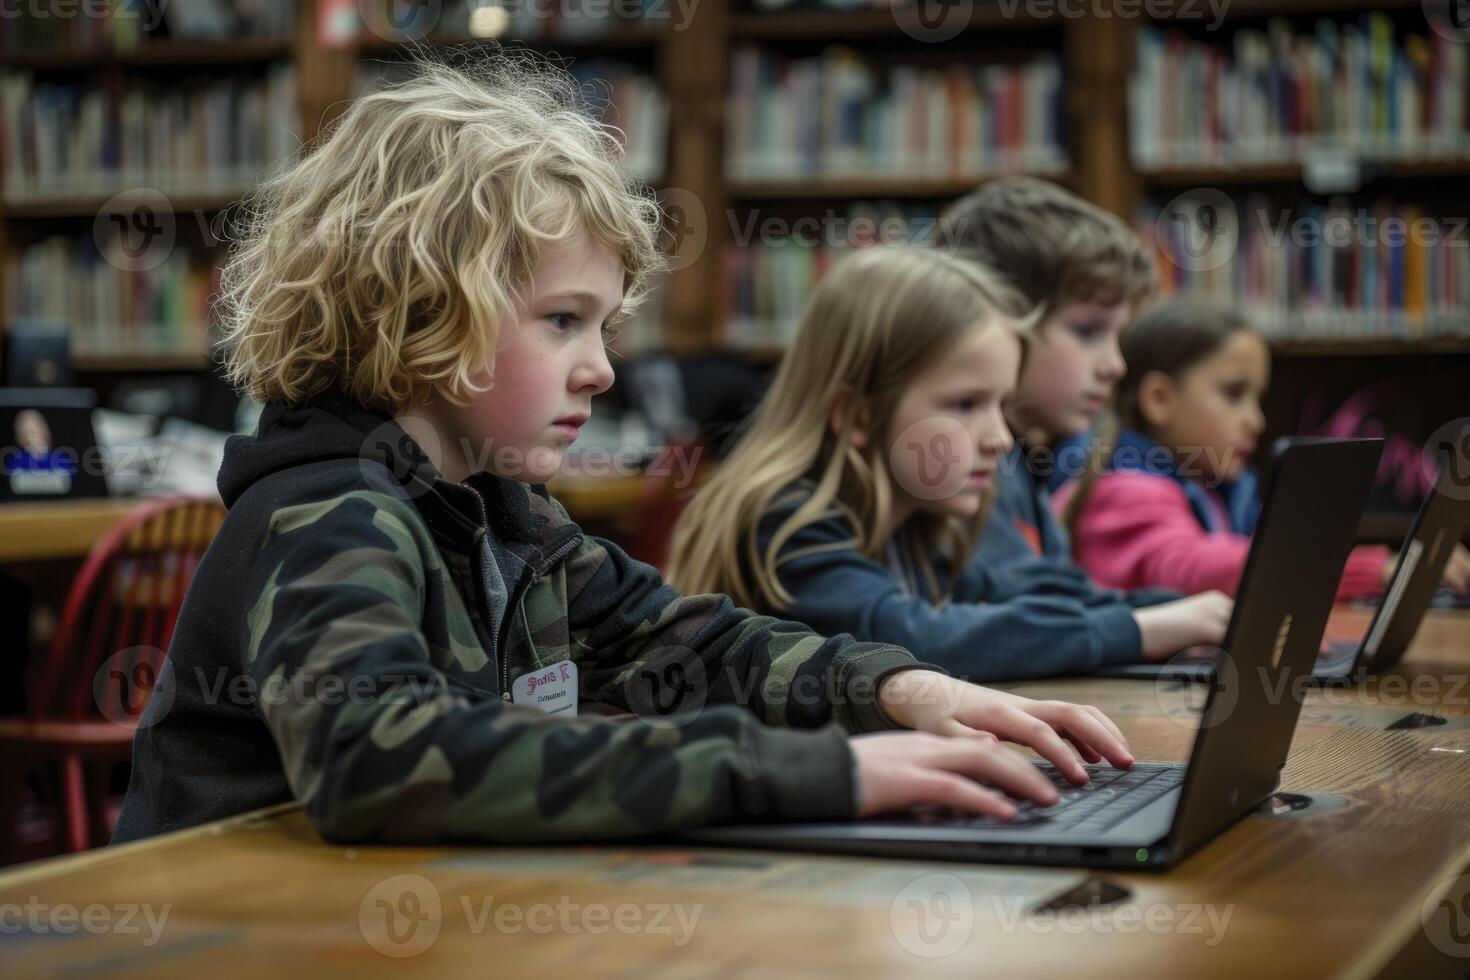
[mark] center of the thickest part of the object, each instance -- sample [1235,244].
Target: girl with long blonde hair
[855,498]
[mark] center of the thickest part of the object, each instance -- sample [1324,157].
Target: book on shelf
[768,281]
[114,301]
[838,116]
[632,105]
[90,141]
[1278,95]
[1326,270]
[128,24]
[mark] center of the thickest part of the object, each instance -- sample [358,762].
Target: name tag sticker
[552,689]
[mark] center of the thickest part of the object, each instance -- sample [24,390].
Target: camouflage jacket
[352,634]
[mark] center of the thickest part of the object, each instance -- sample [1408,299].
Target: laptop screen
[49,449]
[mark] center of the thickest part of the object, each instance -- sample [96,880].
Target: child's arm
[838,589]
[1138,530]
[636,631]
[1365,571]
[1046,576]
[379,744]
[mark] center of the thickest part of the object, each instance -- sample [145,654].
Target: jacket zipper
[518,609]
[512,608]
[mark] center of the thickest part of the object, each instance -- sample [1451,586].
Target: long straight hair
[878,318]
[1170,337]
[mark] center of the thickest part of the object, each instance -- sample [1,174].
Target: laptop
[1438,525]
[1155,814]
[48,448]
[1437,528]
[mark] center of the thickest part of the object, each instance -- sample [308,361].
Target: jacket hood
[331,428]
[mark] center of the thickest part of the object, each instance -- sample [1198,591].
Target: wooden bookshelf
[1133,185]
[1370,346]
[620,40]
[691,65]
[1241,9]
[869,187]
[240,51]
[1294,173]
[864,24]
[31,208]
[142,361]
[316,88]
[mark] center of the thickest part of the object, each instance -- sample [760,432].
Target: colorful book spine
[1330,269]
[1277,95]
[837,115]
[83,140]
[109,304]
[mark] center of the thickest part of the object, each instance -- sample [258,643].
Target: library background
[1304,158]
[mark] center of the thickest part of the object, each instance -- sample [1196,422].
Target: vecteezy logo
[388,446]
[134,230]
[685,229]
[1199,230]
[1450,19]
[1445,915]
[933,21]
[400,20]
[401,916]
[933,916]
[669,689]
[932,459]
[1198,700]
[1448,449]
[126,681]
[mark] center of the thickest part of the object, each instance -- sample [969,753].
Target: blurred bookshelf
[122,141]
[1307,163]
[708,108]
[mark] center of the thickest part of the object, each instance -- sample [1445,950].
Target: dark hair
[1052,245]
[1170,337]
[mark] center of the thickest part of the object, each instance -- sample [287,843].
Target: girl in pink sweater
[1174,502]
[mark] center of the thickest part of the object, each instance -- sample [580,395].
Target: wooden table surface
[57,528]
[67,528]
[1364,882]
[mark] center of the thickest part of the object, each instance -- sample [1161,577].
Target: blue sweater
[1046,620]
[1025,543]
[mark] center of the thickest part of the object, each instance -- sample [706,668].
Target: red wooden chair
[84,699]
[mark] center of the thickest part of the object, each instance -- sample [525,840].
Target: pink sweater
[1138,530]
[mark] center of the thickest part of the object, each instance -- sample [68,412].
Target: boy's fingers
[1086,729]
[1025,729]
[950,728]
[958,793]
[1106,722]
[1089,728]
[1089,755]
[980,757]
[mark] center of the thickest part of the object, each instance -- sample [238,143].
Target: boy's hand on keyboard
[1066,734]
[900,770]
[1173,626]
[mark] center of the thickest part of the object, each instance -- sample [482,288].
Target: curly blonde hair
[383,262]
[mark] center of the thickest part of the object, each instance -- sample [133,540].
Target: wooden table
[57,528]
[67,528]
[1432,679]
[1337,889]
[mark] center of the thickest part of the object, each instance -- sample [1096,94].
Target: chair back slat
[121,610]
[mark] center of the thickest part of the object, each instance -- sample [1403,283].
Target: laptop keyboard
[1110,796]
